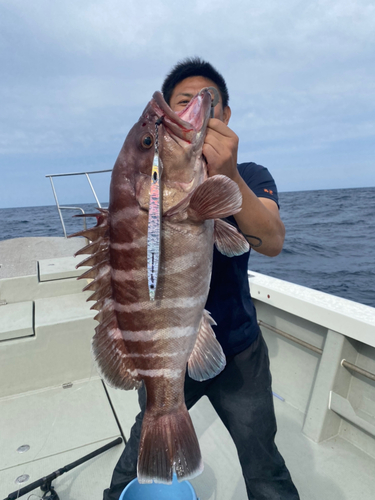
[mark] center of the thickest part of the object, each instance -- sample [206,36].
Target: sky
[76,75]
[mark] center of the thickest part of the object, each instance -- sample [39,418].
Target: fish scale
[139,340]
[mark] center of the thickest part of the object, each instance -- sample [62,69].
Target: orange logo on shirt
[268,191]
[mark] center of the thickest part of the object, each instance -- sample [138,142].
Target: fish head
[138,150]
[178,139]
[181,138]
[131,173]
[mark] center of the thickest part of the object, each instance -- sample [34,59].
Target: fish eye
[147,141]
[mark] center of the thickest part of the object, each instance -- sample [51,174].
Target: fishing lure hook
[214,98]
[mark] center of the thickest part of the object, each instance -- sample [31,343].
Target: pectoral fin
[216,198]
[228,240]
[207,358]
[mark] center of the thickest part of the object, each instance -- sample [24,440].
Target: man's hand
[220,149]
[258,217]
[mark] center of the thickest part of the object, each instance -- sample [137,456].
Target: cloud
[76,76]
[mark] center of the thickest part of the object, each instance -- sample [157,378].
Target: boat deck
[62,425]
[52,399]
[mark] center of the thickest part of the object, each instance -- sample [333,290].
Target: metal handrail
[358,369]
[291,337]
[60,208]
[344,362]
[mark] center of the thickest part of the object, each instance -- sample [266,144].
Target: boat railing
[61,207]
[344,362]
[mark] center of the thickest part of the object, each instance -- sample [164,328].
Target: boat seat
[59,311]
[16,320]
[58,353]
[60,268]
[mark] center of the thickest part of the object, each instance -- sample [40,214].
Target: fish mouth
[188,123]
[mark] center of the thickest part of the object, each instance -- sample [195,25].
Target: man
[241,394]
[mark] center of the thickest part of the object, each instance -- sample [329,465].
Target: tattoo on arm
[258,243]
[253,245]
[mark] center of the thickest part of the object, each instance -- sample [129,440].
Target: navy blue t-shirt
[229,300]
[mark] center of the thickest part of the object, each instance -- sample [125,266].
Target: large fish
[139,339]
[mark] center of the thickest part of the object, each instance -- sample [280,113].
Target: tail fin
[168,444]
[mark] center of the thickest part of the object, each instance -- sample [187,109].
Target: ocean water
[329,244]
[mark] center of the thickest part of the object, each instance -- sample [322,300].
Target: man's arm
[259,217]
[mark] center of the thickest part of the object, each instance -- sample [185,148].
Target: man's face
[188,88]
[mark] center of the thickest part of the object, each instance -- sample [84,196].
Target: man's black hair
[194,67]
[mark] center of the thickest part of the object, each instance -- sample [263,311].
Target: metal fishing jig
[154,219]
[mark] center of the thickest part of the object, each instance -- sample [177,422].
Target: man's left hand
[220,149]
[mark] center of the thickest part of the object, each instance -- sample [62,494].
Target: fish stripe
[176,265]
[119,215]
[157,355]
[161,334]
[161,372]
[158,318]
[120,275]
[181,263]
[178,303]
[139,243]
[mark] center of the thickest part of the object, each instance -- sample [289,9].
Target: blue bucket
[155,491]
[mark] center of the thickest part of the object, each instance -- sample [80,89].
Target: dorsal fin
[93,247]
[101,303]
[100,257]
[91,234]
[98,282]
[94,272]
[103,291]
[108,346]
[101,228]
